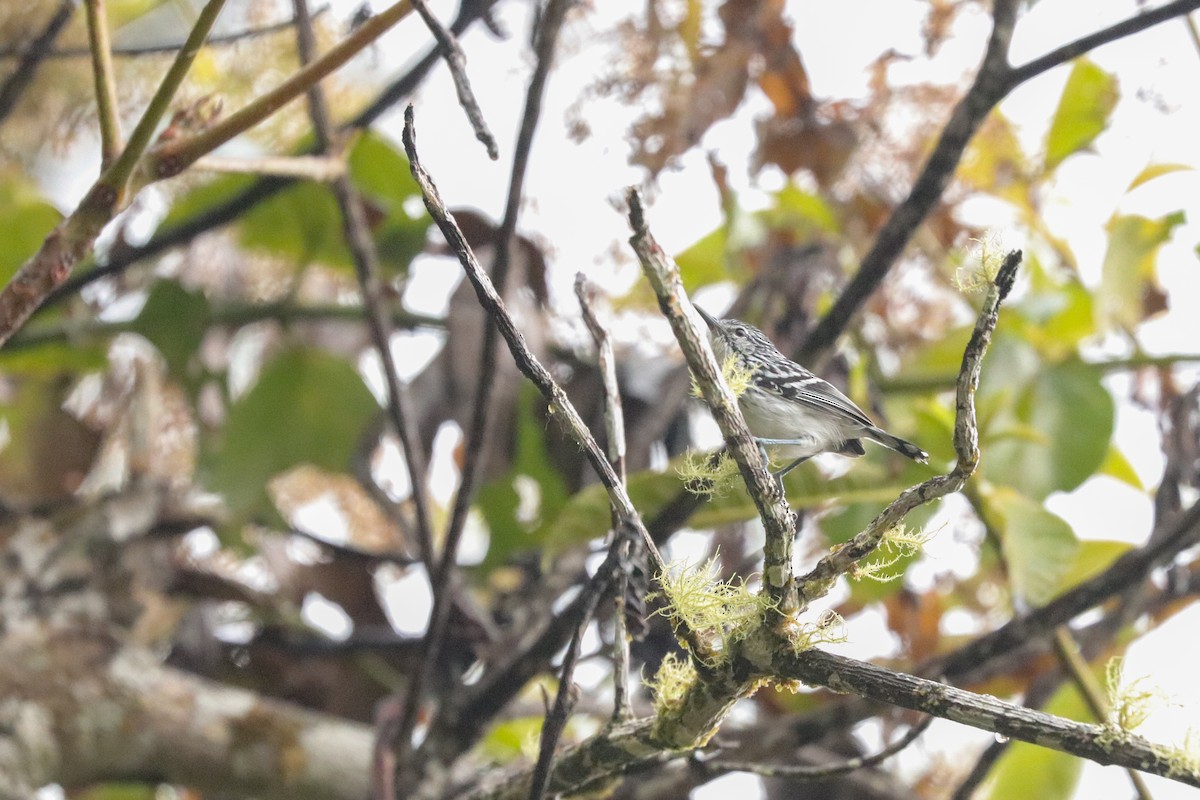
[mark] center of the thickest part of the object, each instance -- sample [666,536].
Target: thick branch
[1101,744]
[73,715]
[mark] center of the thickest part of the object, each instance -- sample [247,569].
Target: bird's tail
[896,443]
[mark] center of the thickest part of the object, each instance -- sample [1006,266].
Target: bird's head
[732,336]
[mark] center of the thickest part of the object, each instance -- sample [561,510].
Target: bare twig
[366,267]
[74,237]
[264,188]
[562,408]
[767,493]
[814,773]
[564,703]
[100,45]
[614,428]
[134,51]
[456,61]
[33,55]
[478,430]
[321,169]
[821,578]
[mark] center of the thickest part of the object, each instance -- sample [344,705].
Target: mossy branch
[766,492]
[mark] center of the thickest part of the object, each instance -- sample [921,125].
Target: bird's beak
[713,323]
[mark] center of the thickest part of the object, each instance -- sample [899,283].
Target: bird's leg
[792,466]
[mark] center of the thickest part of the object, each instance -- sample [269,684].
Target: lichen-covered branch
[844,557]
[1100,743]
[767,493]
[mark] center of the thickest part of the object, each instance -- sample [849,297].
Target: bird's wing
[819,394]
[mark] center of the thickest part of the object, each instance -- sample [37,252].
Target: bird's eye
[738,332]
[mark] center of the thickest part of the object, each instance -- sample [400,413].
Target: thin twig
[366,268]
[844,557]
[561,407]
[176,155]
[134,51]
[266,187]
[1072,50]
[765,491]
[564,703]
[100,44]
[479,428]
[74,237]
[32,56]
[793,772]
[456,61]
[321,169]
[614,429]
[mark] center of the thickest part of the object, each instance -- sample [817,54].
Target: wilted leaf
[1039,547]
[1072,415]
[306,408]
[1083,111]
[1128,270]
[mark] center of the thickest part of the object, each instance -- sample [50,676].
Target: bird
[788,407]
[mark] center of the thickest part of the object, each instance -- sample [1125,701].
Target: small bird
[789,407]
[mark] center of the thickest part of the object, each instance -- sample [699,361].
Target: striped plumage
[788,407]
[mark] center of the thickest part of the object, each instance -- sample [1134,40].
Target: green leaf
[382,174]
[499,500]
[1027,770]
[301,224]
[1083,110]
[1127,274]
[1153,171]
[1093,557]
[1117,466]
[307,407]
[25,219]
[1069,416]
[705,261]
[174,320]
[1039,546]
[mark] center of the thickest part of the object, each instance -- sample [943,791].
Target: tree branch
[765,491]
[1099,743]
[821,578]
[33,55]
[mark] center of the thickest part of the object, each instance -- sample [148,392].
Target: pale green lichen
[898,543]
[829,628]
[719,612]
[708,475]
[1185,759]
[736,374]
[1130,702]
[979,270]
[671,684]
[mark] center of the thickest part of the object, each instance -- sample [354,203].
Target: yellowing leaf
[1083,111]
[1127,275]
[1153,171]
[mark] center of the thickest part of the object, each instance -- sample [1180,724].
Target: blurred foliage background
[235,361]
